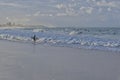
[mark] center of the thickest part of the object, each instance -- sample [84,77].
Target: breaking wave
[92,38]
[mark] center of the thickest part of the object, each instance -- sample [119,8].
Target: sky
[62,13]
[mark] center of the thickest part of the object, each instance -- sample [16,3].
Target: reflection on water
[20,61]
[34,48]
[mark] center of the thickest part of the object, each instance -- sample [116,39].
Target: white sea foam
[73,33]
[69,37]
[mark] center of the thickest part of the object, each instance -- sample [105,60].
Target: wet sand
[26,61]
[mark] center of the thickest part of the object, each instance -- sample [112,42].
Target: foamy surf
[92,38]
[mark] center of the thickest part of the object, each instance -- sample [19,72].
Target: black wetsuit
[34,38]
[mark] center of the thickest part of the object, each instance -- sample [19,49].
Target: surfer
[34,38]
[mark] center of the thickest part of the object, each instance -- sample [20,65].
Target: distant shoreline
[10,24]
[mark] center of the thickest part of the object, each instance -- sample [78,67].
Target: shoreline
[19,61]
[51,45]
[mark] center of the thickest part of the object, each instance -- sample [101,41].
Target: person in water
[34,38]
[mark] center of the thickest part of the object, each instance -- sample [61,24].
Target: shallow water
[22,61]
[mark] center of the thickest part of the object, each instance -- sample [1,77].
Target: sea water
[91,38]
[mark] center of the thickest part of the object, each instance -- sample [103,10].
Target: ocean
[90,38]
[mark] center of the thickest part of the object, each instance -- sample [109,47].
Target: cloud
[66,9]
[47,14]
[38,13]
[87,10]
[12,5]
[60,6]
[113,4]
[90,0]
[61,14]
[109,9]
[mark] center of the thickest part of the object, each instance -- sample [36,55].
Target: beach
[27,61]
